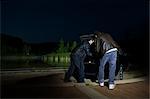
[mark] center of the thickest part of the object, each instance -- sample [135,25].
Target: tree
[74,44]
[61,46]
[27,49]
[68,47]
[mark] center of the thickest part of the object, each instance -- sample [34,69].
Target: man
[107,49]
[77,61]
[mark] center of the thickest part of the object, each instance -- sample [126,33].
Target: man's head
[98,34]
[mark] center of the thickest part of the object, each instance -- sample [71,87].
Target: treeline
[11,45]
[64,47]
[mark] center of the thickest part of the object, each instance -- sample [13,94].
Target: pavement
[48,83]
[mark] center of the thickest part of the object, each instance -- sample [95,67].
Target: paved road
[46,86]
[49,84]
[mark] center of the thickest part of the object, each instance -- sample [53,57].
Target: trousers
[111,58]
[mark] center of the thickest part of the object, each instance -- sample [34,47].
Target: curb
[125,81]
[51,71]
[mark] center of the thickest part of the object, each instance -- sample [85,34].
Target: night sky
[49,20]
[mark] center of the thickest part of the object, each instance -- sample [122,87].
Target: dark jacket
[82,50]
[105,42]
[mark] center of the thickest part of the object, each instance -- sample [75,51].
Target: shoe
[67,80]
[111,86]
[80,81]
[102,84]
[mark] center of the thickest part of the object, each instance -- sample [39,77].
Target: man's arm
[87,49]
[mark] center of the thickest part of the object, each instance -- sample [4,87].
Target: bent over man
[107,49]
[77,61]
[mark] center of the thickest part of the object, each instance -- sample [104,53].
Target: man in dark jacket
[107,49]
[77,61]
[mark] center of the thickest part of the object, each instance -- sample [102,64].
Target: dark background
[47,21]
[41,24]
